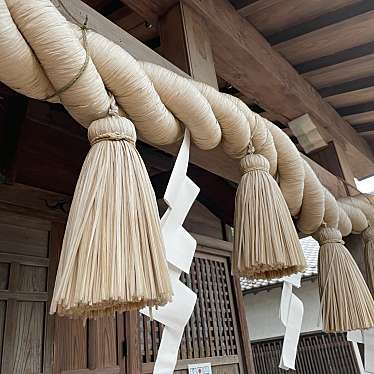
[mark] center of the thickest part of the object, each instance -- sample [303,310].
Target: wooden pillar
[131,348]
[185,42]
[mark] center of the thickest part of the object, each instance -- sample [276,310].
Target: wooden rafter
[270,16]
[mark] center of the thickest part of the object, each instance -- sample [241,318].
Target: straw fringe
[346,303]
[266,244]
[112,256]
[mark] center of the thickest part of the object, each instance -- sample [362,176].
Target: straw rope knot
[252,162]
[368,234]
[111,128]
[328,235]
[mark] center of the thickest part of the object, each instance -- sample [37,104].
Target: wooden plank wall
[27,264]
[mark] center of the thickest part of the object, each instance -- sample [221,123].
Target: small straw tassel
[368,238]
[346,303]
[112,256]
[266,244]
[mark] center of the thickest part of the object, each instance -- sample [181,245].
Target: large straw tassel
[266,244]
[346,303]
[112,256]
[368,238]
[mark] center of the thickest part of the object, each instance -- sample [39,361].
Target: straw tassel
[346,303]
[112,256]
[368,238]
[266,244]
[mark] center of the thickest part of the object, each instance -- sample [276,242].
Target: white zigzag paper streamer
[180,248]
[291,314]
[365,337]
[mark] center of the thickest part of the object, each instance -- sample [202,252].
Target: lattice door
[211,335]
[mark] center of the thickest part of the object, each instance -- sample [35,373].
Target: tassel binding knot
[118,128]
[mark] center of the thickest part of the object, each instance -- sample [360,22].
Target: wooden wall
[27,270]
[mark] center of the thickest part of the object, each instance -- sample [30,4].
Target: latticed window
[211,330]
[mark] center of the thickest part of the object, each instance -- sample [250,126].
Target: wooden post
[247,356]
[185,42]
[131,347]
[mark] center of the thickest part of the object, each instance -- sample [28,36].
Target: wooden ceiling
[330,43]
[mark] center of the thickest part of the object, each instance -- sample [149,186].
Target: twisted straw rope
[157,101]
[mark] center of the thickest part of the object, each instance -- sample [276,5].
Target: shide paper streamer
[180,247]
[365,337]
[291,314]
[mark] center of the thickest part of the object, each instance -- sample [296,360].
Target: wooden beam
[351,98]
[270,16]
[246,60]
[349,86]
[356,109]
[324,20]
[330,39]
[360,117]
[34,202]
[365,127]
[150,10]
[336,58]
[338,73]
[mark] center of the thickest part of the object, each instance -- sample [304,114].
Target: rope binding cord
[84,29]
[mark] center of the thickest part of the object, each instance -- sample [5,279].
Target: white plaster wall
[262,311]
